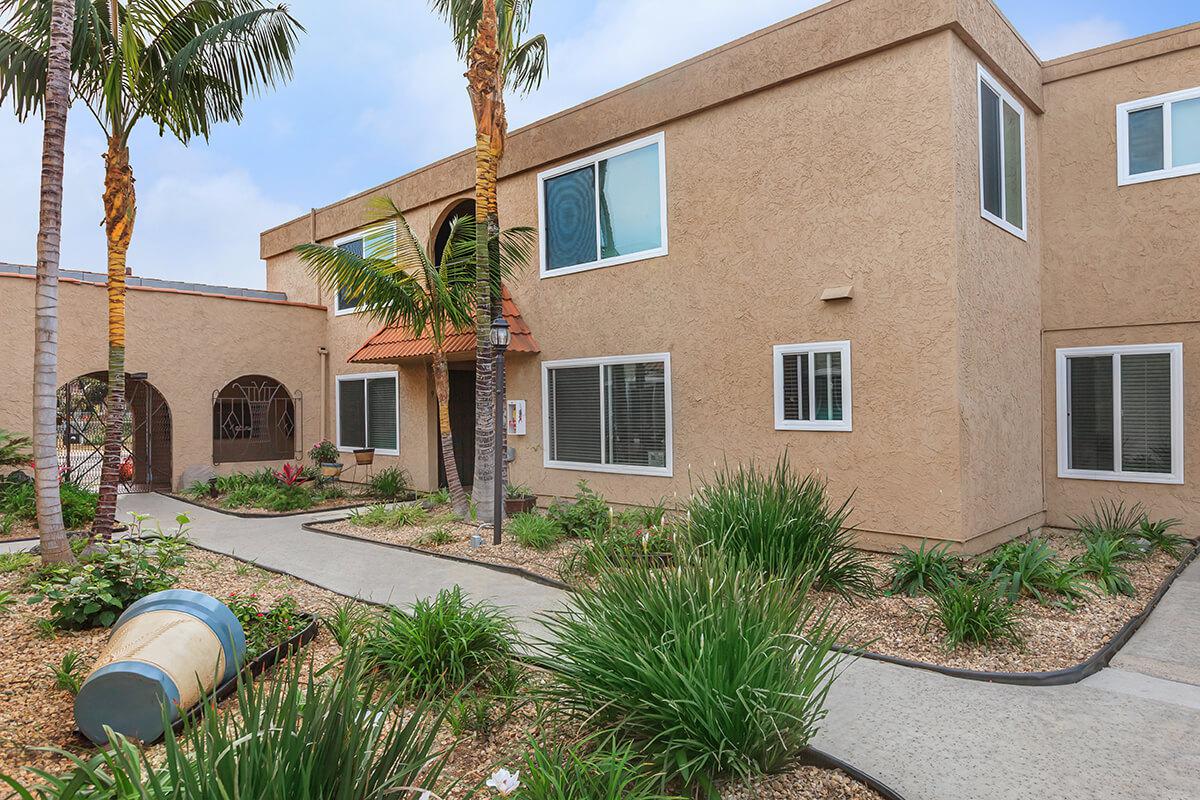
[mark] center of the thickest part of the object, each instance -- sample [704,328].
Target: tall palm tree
[399,284]
[184,65]
[53,72]
[491,37]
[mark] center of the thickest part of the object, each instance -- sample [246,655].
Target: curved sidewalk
[1131,732]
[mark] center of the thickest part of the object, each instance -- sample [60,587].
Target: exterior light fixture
[501,334]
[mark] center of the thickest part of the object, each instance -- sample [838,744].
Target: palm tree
[399,284]
[183,64]
[490,37]
[55,70]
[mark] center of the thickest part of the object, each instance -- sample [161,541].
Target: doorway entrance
[462,424]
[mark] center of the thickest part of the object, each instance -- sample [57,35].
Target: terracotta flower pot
[364,456]
[331,470]
[519,505]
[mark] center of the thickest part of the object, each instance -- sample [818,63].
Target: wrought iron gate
[255,419]
[145,441]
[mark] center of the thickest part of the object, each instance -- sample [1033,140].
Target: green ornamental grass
[923,570]
[580,772]
[534,530]
[1033,568]
[975,614]
[1102,562]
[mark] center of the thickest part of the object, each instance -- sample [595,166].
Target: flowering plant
[504,782]
[291,475]
[264,627]
[323,452]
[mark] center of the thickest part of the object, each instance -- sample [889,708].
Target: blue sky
[377,92]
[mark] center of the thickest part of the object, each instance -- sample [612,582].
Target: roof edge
[1126,51]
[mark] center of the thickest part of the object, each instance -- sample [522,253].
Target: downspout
[324,353]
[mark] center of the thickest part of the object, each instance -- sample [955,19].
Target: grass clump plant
[15,562]
[702,666]
[68,672]
[535,531]
[975,614]
[1102,562]
[390,484]
[1033,568]
[1159,535]
[580,772]
[923,570]
[381,516]
[782,524]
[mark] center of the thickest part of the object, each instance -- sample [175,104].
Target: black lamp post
[500,338]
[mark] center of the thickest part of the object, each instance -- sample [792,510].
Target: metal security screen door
[145,441]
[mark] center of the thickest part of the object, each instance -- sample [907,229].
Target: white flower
[505,782]
[426,795]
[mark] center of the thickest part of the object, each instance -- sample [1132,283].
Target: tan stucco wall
[190,345]
[1119,262]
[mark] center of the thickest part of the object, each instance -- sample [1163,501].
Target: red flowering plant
[291,475]
[265,627]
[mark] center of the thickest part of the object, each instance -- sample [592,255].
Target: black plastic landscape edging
[812,757]
[520,572]
[266,514]
[1059,677]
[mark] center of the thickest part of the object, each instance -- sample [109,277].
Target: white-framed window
[368,412]
[609,208]
[364,244]
[812,387]
[1001,156]
[1120,413]
[608,414]
[1158,137]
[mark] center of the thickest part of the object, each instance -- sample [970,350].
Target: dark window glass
[1014,189]
[381,413]
[345,299]
[1091,412]
[574,397]
[352,417]
[990,146]
[1145,140]
[1146,412]
[571,219]
[637,414]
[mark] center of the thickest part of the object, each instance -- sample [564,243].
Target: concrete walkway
[1132,732]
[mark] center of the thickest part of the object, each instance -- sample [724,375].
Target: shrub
[700,665]
[1158,536]
[642,516]
[517,490]
[95,593]
[574,772]
[587,515]
[324,452]
[7,601]
[621,546]
[922,571]
[390,484]
[291,475]
[783,525]
[442,644]
[272,497]
[320,736]
[18,501]
[400,516]
[534,530]
[439,498]
[1102,560]
[975,613]
[197,490]
[439,535]
[1033,568]
[265,627]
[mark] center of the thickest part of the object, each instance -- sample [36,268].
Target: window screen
[352,413]
[575,415]
[812,379]
[381,413]
[1091,412]
[1146,412]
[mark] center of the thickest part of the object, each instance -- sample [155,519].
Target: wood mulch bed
[1053,638]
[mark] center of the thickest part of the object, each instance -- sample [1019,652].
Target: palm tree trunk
[54,546]
[441,380]
[119,210]
[483,78]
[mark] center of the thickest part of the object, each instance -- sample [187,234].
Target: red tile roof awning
[396,343]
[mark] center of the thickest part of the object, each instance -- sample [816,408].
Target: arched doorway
[462,373]
[254,419]
[145,443]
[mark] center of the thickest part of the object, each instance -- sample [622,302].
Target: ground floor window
[608,414]
[812,386]
[367,412]
[1120,413]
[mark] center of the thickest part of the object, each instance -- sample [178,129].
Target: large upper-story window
[1120,413]
[1001,156]
[603,210]
[1158,137]
[367,412]
[608,414]
[364,244]
[812,386]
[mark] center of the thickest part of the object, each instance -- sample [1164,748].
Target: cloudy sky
[377,92]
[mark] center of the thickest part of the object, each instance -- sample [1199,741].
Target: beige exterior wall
[1119,262]
[189,344]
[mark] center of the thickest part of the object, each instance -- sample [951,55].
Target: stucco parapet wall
[821,38]
[139,287]
[1122,53]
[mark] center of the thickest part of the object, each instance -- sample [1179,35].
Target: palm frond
[23,68]
[526,64]
[389,296]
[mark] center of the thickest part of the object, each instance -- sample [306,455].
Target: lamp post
[500,338]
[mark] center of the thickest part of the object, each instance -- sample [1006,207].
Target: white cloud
[1073,37]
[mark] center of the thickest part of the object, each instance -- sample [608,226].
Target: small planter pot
[331,470]
[364,457]
[519,505]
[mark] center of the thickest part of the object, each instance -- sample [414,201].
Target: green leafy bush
[324,452]
[276,497]
[923,570]
[782,524]
[442,644]
[390,484]
[94,594]
[701,666]
[439,498]
[575,772]
[265,627]
[1102,562]
[534,530]
[587,515]
[380,516]
[335,735]
[18,501]
[975,613]
[1033,568]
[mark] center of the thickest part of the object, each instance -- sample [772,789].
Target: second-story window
[603,210]
[1001,156]
[370,243]
[1159,137]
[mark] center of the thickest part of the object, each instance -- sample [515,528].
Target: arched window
[254,419]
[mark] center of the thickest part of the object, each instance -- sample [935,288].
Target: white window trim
[664,358]
[337,410]
[1005,97]
[1063,403]
[362,234]
[612,261]
[1123,112]
[844,424]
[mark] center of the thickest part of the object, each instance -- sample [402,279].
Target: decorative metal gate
[145,441]
[255,419]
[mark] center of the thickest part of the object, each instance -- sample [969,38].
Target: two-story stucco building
[881,235]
